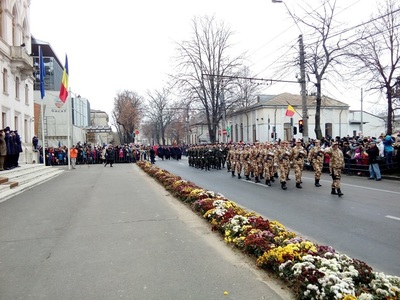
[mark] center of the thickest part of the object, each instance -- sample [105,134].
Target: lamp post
[302,79]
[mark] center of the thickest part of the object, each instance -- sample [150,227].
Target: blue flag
[42,72]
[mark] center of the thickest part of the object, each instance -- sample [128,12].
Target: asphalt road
[115,233]
[364,223]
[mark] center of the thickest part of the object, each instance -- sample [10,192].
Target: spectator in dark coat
[110,155]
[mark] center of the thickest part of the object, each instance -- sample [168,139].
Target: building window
[16,123]
[1,19]
[5,81]
[3,120]
[26,94]
[241,131]
[254,133]
[17,83]
[328,129]
[287,133]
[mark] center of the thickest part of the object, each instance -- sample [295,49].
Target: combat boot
[261,176]
[283,185]
[239,177]
[298,185]
[233,173]
[317,183]
[333,192]
[276,175]
[257,180]
[268,182]
[272,179]
[339,193]
[247,177]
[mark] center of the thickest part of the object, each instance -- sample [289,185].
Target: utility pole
[303,89]
[223,117]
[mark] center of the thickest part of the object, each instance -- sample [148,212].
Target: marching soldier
[297,155]
[269,166]
[239,161]
[257,163]
[316,159]
[336,165]
[246,161]
[284,163]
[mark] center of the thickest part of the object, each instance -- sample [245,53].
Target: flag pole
[43,142]
[69,115]
[42,94]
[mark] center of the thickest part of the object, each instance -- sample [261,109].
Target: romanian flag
[289,111]
[64,82]
[42,73]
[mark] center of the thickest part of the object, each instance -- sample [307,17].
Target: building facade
[266,121]
[16,64]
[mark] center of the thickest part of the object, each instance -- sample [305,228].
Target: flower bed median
[312,271]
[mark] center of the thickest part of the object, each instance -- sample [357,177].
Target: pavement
[114,233]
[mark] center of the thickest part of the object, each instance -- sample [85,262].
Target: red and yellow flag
[289,111]
[64,82]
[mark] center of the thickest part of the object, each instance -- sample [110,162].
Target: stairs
[17,180]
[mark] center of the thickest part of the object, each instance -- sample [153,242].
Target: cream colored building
[16,64]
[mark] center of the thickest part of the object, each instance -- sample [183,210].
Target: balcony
[21,62]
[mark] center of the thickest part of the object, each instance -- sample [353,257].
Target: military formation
[269,162]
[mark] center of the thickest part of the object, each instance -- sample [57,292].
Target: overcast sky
[129,45]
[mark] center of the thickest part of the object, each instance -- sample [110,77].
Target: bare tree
[324,55]
[127,115]
[202,61]
[160,112]
[378,50]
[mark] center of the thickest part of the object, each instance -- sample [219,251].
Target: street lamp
[302,79]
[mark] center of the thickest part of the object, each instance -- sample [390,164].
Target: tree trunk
[390,112]
[317,129]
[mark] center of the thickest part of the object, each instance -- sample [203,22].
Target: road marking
[391,217]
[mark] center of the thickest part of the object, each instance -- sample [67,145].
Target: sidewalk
[109,233]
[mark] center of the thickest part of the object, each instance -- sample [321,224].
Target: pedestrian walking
[73,154]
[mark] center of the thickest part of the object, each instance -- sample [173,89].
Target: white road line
[394,218]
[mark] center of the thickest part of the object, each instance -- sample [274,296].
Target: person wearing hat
[297,155]
[336,164]
[316,159]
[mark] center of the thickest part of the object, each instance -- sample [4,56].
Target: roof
[98,128]
[285,99]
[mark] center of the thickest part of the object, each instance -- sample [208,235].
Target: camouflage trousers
[336,174]
[268,170]
[284,169]
[247,168]
[298,169]
[239,167]
[317,166]
[257,169]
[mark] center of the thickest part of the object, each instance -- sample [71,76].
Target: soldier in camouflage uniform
[284,163]
[230,158]
[246,161]
[297,155]
[269,165]
[239,161]
[257,162]
[336,164]
[316,159]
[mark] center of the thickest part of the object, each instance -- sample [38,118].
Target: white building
[17,97]
[260,121]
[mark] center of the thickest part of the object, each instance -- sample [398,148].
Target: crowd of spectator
[96,154]
[10,148]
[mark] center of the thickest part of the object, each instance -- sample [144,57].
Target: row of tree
[209,80]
